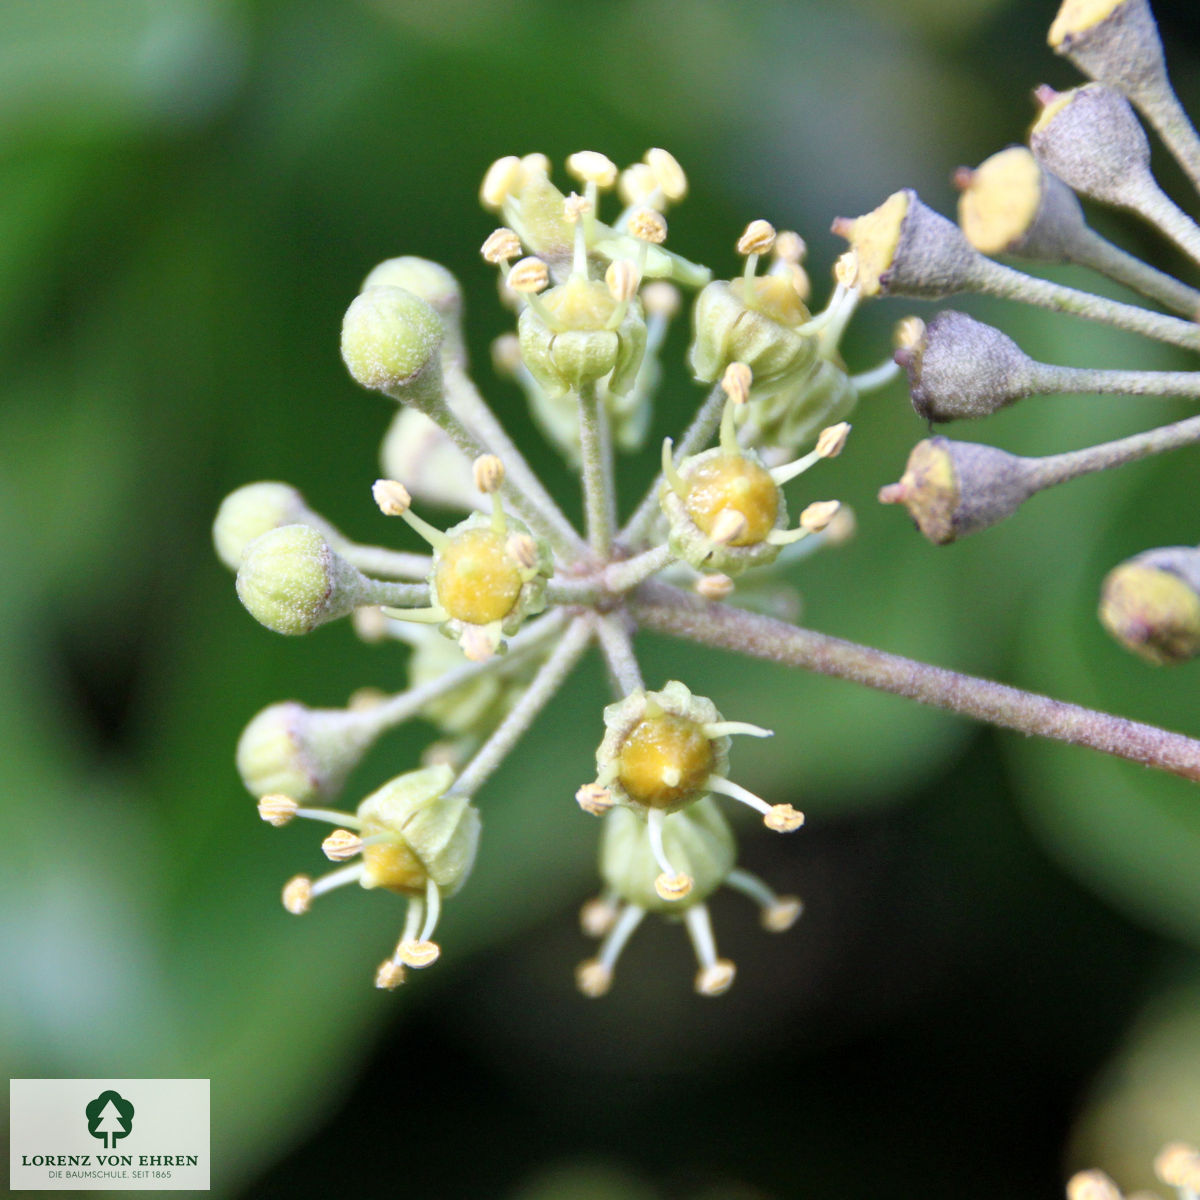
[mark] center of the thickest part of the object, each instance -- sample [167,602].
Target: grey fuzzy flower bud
[1151,604]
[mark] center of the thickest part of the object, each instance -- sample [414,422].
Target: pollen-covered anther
[647,225]
[528,276]
[736,381]
[297,895]
[341,844]
[590,166]
[417,952]
[728,526]
[277,809]
[597,916]
[622,279]
[782,914]
[500,246]
[477,643]
[673,887]
[790,247]
[845,270]
[716,979]
[1092,1185]
[668,174]
[1178,1165]
[593,978]
[758,238]
[392,497]
[522,549]
[488,472]
[594,798]
[783,818]
[576,206]
[390,974]
[502,177]
[714,587]
[832,440]
[818,515]
[908,334]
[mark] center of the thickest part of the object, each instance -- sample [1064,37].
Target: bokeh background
[997,979]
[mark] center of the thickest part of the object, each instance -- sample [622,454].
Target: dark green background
[996,979]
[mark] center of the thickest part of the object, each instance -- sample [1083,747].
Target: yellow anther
[477,643]
[390,975]
[668,174]
[832,440]
[648,226]
[845,270]
[576,206]
[783,818]
[597,917]
[503,177]
[522,549]
[591,166]
[758,238]
[728,526]
[714,587]
[908,334]
[673,887]
[593,978]
[622,279]
[736,382]
[717,979]
[341,844]
[529,275]
[818,514]
[488,472]
[790,247]
[415,953]
[637,184]
[594,798]
[501,245]
[537,164]
[277,809]
[660,299]
[297,895]
[392,497]
[782,915]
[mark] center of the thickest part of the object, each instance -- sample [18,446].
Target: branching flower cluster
[1025,203]
[499,607]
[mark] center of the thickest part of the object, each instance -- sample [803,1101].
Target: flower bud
[1090,138]
[391,343]
[952,489]
[431,282]
[1115,42]
[1151,604]
[698,841]
[291,580]
[904,248]
[1011,204]
[567,342]
[961,368]
[433,836]
[256,509]
[301,752]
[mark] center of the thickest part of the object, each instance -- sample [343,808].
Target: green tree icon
[109,1117]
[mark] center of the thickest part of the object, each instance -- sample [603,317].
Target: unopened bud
[256,509]
[954,488]
[962,368]
[391,343]
[1151,604]
[1115,42]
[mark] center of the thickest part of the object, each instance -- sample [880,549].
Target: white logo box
[153,1134]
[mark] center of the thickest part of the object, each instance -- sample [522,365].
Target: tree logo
[109,1117]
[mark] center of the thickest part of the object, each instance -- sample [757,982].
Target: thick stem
[1154,206]
[1092,250]
[994,279]
[622,576]
[596,453]
[1167,115]
[698,435]
[1180,384]
[550,677]
[667,610]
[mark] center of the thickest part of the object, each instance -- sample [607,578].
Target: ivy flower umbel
[498,609]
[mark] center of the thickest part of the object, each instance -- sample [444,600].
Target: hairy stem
[596,453]
[667,610]
[1092,250]
[616,642]
[1058,468]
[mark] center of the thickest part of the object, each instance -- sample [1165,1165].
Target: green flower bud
[427,834]
[961,368]
[761,333]
[303,753]
[1151,604]
[698,842]
[432,283]
[566,342]
[952,489]
[291,580]
[391,343]
[256,509]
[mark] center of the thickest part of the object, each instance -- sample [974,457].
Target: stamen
[716,974]
[500,246]
[637,186]
[598,915]
[718,783]
[277,809]
[832,439]
[818,514]
[594,798]
[630,918]
[668,174]
[728,434]
[478,642]
[503,176]
[488,473]
[336,879]
[728,525]
[433,909]
[390,974]
[394,501]
[736,381]
[786,472]
[297,895]
[528,276]
[868,381]
[330,816]
[418,616]
[778,912]
[713,587]
[716,729]
[671,884]
[790,247]
[341,844]
[648,226]
[522,549]
[672,476]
